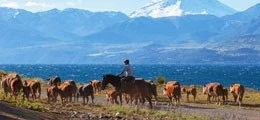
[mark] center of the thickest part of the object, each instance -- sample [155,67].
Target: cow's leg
[83,99]
[87,99]
[92,98]
[208,98]
[188,97]
[218,99]
[235,98]
[194,97]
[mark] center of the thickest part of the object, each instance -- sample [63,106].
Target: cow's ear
[204,85]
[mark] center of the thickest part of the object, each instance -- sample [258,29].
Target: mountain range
[206,31]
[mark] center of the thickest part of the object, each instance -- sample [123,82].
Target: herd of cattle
[12,84]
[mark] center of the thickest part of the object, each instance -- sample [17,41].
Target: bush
[160,80]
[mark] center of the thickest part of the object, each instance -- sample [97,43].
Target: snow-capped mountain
[166,8]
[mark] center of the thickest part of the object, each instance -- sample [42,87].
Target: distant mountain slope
[166,8]
[69,24]
[193,28]
[247,15]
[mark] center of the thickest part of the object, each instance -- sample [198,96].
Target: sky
[125,6]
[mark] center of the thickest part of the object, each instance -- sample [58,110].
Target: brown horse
[136,89]
[12,83]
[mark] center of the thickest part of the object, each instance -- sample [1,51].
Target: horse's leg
[120,98]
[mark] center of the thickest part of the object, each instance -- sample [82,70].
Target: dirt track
[8,111]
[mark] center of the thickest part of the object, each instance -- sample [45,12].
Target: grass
[33,105]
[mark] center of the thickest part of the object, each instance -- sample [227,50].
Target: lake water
[248,75]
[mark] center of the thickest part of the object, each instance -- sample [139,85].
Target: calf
[112,96]
[237,91]
[192,91]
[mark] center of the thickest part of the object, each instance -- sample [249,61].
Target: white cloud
[38,4]
[9,4]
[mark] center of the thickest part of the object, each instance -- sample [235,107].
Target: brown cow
[12,83]
[214,89]
[96,85]
[237,91]
[192,91]
[225,95]
[85,91]
[66,91]
[74,88]
[173,90]
[52,93]
[112,96]
[34,88]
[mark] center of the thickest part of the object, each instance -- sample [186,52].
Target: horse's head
[105,81]
[112,79]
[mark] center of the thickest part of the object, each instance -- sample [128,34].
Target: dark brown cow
[173,90]
[237,91]
[85,91]
[214,89]
[34,88]
[192,91]
[54,81]
[52,93]
[12,83]
[153,89]
[96,85]
[74,88]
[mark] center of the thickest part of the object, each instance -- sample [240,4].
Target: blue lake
[248,75]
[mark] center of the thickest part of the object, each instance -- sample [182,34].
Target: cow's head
[231,88]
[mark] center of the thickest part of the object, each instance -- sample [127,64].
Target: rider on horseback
[128,71]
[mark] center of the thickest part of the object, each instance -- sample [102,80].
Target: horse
[136,89]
